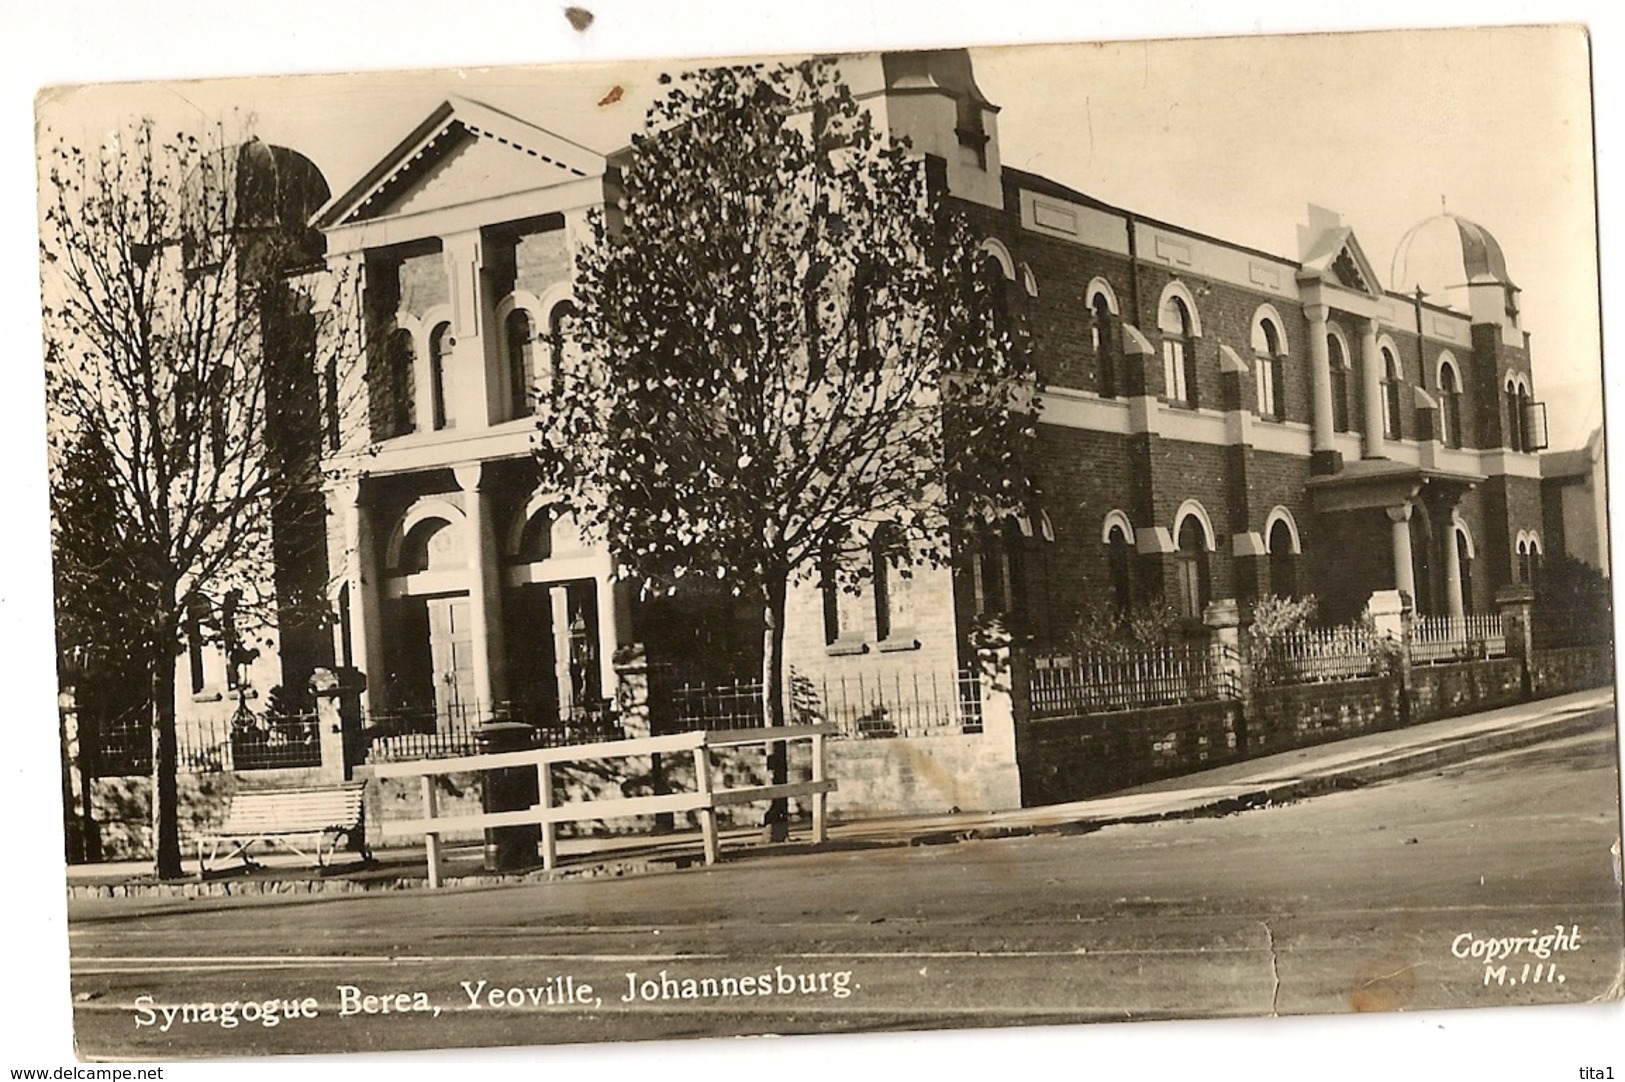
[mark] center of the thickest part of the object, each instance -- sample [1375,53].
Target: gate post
[1517,603]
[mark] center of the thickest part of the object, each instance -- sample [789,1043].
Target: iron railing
[858,704]
[1436,639]
[1069,684]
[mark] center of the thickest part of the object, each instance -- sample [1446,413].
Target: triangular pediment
[1336,257]
[462,153]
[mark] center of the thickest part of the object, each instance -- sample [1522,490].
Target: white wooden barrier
[703,800]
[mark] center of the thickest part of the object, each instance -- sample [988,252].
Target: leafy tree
[162,261]
[789,341]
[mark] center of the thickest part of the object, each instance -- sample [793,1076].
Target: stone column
[365,581]
[1452,575]
[1404,569]
[1322,442]
[484,594]
[559,602]
[1371,375]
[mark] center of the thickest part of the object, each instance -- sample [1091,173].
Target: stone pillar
[365,581]
[1371,376]
[1404,568]
[484,595]
[1223,621]
[1517,605]
[632,691]
[330,725]
[1231,665]
[1452,576]
[1323,443]
[1001,680]
[1390,614]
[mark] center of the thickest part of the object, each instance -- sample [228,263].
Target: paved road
[1352,901]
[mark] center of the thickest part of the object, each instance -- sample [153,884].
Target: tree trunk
[774,588]
[166,835]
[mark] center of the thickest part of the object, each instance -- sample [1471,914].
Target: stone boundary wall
[123,806]
[919,775]
[1303,715]
[1074,758]
[1557,672]
[1464,687]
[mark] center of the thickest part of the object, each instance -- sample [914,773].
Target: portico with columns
[465,594]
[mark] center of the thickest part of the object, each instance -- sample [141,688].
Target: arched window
[830,588]
[1449,405]
[1337,360]
[562,328]
[1192,574]
[888,553]
[441,387]
[399,412]
[1523,423]
[1119,566]
[1178,351]
[1282,560]
[1391,380]
[1100,323]
[1514,417]
[1270,368]
[521,347]
[1528,569]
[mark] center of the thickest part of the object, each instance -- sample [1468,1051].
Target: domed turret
[1457,263]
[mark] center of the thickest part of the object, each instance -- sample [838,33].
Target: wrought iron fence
[1315,655]
[1436,639]
[858,704]
[430,733]
[245,741]
[1063,685]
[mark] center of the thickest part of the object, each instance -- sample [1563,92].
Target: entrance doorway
[451,659]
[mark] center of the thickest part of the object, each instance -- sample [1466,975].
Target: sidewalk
[1272,779]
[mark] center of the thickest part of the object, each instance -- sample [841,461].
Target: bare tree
[176,327]
[788,344]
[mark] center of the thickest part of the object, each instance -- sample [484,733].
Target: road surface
[1384,898]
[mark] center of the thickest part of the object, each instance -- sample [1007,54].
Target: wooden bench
[286,817]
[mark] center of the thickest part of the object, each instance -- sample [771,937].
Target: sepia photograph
[820,537]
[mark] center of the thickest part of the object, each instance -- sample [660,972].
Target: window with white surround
[1337,360]
[1391,380]
[1178,350]
[1269,367]
[441,389]
[1449,402]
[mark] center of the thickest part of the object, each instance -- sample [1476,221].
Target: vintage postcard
[867,541]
